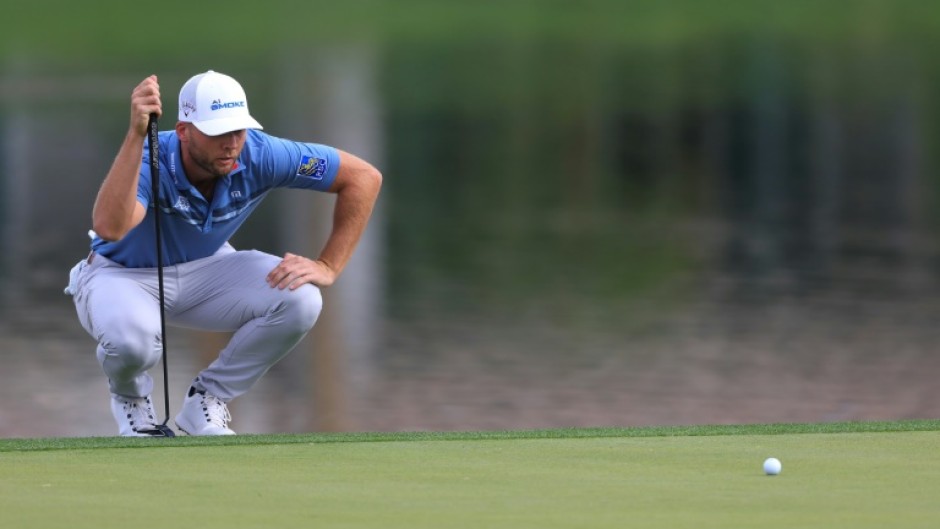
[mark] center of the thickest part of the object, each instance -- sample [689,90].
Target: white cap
[215,103]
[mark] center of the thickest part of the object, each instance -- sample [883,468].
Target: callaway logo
[219,105]
[188,108]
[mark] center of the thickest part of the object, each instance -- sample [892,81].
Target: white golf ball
[772,466]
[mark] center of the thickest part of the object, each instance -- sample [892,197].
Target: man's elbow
[366,183]
[374,177]
[108,231]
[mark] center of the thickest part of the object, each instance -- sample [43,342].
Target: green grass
[857,475]
[69,443]
[111,29]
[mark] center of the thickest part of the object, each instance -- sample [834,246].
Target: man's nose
[230,140]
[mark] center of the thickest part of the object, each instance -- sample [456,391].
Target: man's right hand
[145,100]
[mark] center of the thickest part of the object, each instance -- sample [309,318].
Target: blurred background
[595,213]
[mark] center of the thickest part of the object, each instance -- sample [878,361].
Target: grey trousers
[119,307]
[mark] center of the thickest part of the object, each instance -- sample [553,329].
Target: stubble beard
[205,163]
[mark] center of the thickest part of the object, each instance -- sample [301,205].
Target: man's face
[216,155]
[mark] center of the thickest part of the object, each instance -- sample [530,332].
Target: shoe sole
[183,430]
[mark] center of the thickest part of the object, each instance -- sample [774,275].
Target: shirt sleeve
[300,165]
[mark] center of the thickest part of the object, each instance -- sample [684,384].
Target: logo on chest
[182,204]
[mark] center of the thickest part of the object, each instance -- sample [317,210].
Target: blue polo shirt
[192,228]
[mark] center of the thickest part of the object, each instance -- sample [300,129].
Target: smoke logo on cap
[219,105]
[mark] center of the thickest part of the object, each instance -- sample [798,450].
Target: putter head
[160,430]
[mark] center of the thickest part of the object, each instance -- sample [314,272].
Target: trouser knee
[301,309]
[127,351]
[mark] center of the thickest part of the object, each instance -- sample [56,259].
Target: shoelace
[216,411]
[139,413]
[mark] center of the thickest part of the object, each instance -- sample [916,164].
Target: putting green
[854,479]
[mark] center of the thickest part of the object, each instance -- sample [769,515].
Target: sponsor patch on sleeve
[312,167]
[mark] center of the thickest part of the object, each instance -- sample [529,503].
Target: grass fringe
[89,443]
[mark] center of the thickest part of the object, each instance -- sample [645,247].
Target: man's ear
[182,130]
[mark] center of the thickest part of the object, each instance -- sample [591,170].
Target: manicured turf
[834,475]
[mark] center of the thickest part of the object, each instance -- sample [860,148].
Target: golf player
[215,167]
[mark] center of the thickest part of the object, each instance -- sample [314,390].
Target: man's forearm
[353,207]
[112,216]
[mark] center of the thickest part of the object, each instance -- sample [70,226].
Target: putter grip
[152,129]
[154,141]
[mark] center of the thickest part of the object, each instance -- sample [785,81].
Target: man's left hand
[296,270]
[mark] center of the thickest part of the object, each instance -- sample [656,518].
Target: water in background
[709,230]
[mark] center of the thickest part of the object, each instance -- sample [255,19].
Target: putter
[160,430]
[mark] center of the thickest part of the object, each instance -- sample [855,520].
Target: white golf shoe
[134,415]
[203,414]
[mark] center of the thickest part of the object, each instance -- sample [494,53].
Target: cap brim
[216,127]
